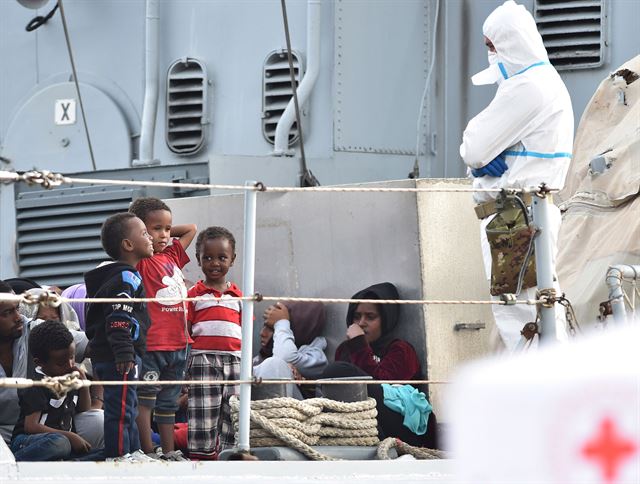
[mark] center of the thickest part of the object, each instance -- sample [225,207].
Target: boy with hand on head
[117,331]
[217,337]
[168,337]
[44,431]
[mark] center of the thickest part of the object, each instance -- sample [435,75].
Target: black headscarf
[389,313]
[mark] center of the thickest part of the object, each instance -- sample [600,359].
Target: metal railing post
[248,273]
[615,275]
[544,264]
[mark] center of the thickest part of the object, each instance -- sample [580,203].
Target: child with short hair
[168,338]
[45,431]
[117,331]
[217,337]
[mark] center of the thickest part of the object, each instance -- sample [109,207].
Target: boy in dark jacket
[117,331]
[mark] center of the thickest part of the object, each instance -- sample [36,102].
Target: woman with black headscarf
[371,349]
[370,344]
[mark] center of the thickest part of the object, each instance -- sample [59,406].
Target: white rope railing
[55,300]
[72,381]
[48,179]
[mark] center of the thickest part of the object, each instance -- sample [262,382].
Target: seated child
[168,337]
[291,345]
[45,431]
[117,331]
[372,349]
[215,355]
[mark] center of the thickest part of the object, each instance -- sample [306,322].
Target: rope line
[48,179]
[75,81]
[403,448]
[53,299]
[307,179]
[74,382]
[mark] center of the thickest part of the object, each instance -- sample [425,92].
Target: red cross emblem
[608,449]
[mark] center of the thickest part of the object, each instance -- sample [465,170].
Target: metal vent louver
[58,231]
[572,31]
[276,90]
[186,104]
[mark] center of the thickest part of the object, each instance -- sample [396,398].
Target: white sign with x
[65,111]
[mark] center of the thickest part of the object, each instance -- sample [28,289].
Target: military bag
[510,237]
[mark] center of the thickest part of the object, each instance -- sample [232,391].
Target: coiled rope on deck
[402,448]
[299,424]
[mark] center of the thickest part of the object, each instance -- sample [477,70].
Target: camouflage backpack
[510,238]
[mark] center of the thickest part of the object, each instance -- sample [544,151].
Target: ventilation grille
[277,92]
[572,31]
[186,95]
[59,231]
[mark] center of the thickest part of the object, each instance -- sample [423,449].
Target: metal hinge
[476,326]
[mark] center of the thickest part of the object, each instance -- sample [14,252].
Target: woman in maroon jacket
[371,349]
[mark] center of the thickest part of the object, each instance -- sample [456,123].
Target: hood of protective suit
[514,34]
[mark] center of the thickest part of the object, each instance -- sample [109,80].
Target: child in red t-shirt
[217,337]
[168,337]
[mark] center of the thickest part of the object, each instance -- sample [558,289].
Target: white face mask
[491,75]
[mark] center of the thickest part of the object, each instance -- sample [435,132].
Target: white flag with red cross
[568,413]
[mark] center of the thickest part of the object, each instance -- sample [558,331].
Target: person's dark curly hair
[114,230]
[214,233]
[47,337]
[141,207]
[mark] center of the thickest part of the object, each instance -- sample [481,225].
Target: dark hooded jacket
[387,358]
[117,331]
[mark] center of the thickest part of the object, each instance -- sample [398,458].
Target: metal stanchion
[248,272]
[544,264]
[615,275]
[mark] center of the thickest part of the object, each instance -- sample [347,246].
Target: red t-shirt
[162,277]
[216,325]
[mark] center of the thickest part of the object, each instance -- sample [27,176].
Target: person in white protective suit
[522,139]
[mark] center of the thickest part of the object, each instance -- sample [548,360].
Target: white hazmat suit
[530,123]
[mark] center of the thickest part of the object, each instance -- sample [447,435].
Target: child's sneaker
[139,456]
[174,455]
[156,453]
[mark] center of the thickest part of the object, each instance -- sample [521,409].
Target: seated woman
[291,345]
[371,349]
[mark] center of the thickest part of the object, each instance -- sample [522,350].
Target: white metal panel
[452,268]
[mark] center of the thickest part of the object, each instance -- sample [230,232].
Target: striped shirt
[215,325]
